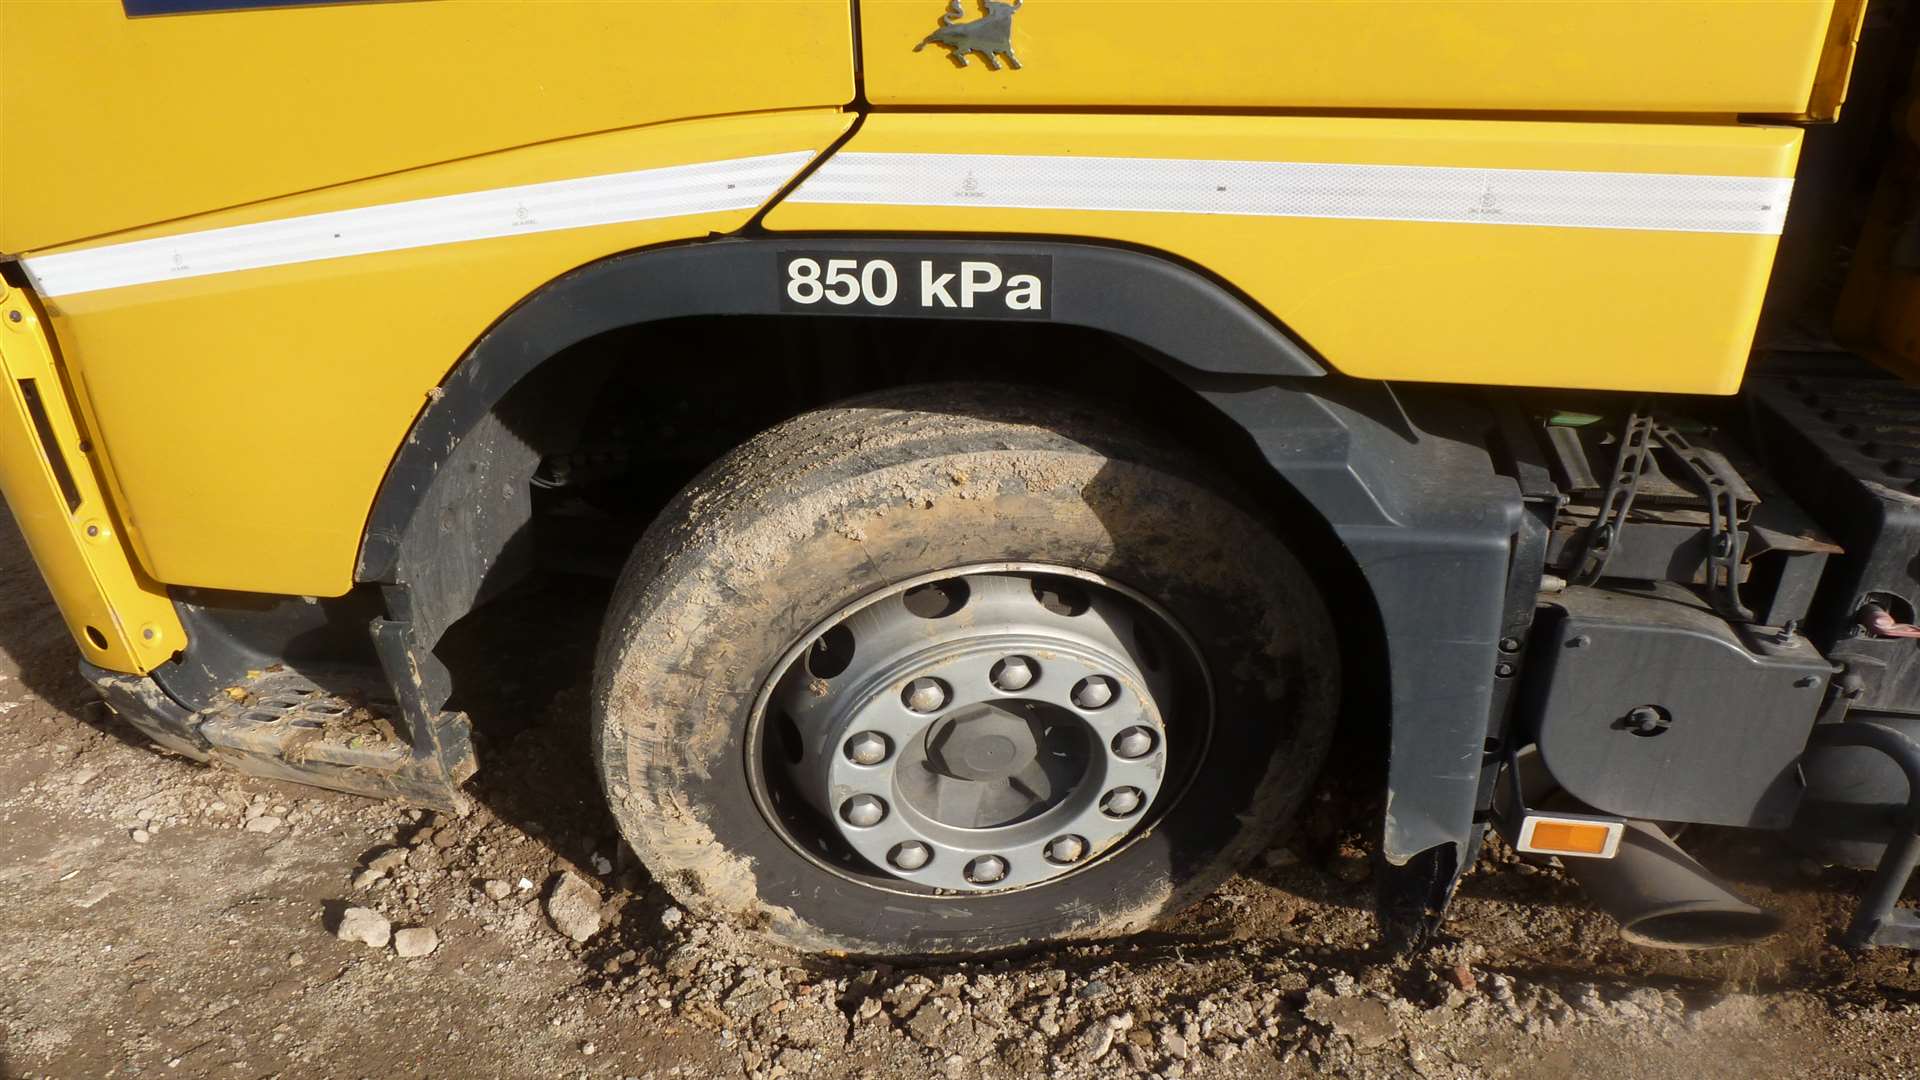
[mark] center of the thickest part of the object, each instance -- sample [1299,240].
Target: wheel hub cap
[998,738]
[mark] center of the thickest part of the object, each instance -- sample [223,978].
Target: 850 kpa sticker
[1001,286]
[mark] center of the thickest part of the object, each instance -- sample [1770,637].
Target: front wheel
[893,679]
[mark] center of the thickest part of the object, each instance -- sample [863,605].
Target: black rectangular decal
[961,286]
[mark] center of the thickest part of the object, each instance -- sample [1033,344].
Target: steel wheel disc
[985,729]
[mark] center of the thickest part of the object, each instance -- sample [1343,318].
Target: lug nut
[986,869]
[1066,850]
[868,748]
[925,695]
[1134,742]
[1120,802]
[911,855]
[863,811]
[1013,673]
[1094,692]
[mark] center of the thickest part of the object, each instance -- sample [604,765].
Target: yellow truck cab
[1030,430]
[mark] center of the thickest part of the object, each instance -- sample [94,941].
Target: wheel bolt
[1066,850]
[1120,802]
[867,748]
[925,695]
[1094,692]
[911,855]
[1134,742]
[986,869]
[1013,673]
[863,811]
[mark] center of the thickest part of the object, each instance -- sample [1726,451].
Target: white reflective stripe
[673,191]
[1588,200]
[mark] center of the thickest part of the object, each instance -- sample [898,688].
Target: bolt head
[1066,850]
[863,811]
[1121,801]
[911,855]
[1134,742]
[1014,673]
[868,748]
[1646,720]
[1095,691]
[986,869]
[925,695]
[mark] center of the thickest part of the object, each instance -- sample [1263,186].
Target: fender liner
[1403,477]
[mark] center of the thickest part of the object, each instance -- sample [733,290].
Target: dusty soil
[158,917]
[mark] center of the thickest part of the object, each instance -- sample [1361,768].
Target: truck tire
[957,669]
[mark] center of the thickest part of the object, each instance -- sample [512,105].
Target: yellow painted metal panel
[1443,301]
[1836,62]
[119,618]
[1686,56]
[113,122]
[248,417]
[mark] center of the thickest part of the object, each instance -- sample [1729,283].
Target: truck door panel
[180,114]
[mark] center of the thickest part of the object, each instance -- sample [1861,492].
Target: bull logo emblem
[990,35]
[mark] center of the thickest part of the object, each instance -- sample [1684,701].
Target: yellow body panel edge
[272,400]
[120,618]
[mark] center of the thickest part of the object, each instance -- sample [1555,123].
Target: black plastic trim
[49,445]
[1154,301]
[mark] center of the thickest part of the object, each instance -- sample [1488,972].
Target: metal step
[287,714]
[340,730]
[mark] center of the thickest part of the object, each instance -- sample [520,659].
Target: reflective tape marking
[673,191]
[1666,202]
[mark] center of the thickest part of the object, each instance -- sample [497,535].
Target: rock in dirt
[1367,1021]
[415,941]
[364,925]
[140,836]
[387,860]
[265,823]
[496,889]
[1099,1035]
[574,906]
[1463,977]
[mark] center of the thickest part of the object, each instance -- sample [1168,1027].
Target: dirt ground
[158,917]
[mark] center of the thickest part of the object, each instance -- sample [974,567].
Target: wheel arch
[1398,483]
[1147,298]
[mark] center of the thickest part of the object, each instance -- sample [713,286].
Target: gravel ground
[158,917]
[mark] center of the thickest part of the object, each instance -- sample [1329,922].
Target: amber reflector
[1578,836]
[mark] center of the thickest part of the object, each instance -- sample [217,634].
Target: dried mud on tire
[845,501]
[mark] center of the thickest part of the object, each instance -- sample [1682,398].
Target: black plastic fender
[1403,478]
